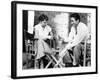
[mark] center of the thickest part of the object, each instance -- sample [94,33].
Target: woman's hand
[49,37]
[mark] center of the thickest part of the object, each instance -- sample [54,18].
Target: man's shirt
[78,36]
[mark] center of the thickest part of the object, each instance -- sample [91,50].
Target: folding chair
[61,59]
[52,58]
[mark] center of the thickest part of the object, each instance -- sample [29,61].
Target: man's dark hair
[43,17]
[76,16]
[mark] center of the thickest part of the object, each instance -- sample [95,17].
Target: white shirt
[42,33]
[82,33]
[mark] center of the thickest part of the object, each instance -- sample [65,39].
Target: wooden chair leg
[84,55]
[35,64]
[41,64]
[48,64]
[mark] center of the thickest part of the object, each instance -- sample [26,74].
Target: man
[79,32]
[42,32]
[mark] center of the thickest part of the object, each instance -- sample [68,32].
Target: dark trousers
[76,52]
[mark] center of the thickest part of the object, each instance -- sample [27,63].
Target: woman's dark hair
[76,16]
[43,17]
